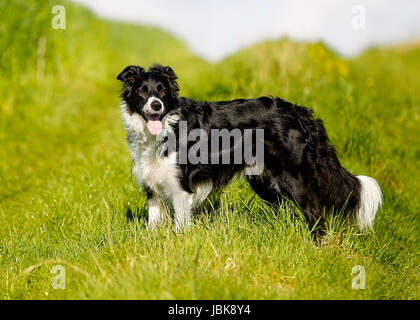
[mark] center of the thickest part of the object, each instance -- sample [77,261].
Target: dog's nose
[156,105]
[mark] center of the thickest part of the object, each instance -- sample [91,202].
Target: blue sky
[216,28]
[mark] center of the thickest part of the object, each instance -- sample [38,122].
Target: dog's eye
[160,87]
[144,89]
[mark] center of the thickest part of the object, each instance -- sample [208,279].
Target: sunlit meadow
[67,196]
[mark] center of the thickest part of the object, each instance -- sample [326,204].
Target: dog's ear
[130,73]
[168,73]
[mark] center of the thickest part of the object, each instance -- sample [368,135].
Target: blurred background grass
[66,190]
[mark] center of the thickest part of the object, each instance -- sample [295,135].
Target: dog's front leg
[157,211]
[182,203]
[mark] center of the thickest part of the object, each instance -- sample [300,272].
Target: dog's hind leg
[306,198]
[264,189]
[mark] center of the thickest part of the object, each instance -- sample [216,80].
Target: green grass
[67,196]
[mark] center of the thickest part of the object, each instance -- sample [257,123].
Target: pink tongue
[154,126]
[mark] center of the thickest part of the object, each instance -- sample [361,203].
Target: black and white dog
[298,160]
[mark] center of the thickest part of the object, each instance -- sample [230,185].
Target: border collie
[299,162]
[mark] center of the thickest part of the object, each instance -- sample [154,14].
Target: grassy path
[67,197]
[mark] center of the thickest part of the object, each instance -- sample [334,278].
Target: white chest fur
[157,172]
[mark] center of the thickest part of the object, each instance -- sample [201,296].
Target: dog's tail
[360,196]
[370,200]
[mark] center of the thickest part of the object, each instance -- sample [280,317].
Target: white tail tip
[370,202]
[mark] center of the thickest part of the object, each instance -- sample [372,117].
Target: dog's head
[151,94]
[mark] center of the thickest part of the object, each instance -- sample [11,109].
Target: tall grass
[67,196]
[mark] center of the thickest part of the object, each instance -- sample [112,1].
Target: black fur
[300,162]
[298,156]
[134,78]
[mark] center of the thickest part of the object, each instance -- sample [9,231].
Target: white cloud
[216,28]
